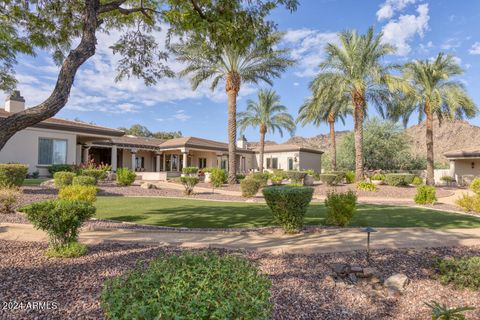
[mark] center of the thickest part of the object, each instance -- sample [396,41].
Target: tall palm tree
[356,70]
[324,106]
[259,62]
[268,115]
[434,93]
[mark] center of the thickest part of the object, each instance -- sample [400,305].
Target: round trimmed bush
[97,174]
[190,170]
[12,174]
[330,179]
[399,179]
[78,193]
[296,176]
[289,205]
[84,181]
[417,181]
[260,176]
[125,176]
[63,178]
[189,183]
[340,176]
[250,187]
[189,286]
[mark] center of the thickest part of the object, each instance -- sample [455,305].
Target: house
[464,164]
[60,141]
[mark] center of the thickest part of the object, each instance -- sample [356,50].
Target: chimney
[242,142]
[14,102]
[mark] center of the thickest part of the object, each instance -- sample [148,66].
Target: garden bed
[300,288]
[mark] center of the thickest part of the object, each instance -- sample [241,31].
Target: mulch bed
[299,291]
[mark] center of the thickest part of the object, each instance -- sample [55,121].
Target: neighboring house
[464,164]
[59,141]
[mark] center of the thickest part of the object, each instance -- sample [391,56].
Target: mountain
[321,141]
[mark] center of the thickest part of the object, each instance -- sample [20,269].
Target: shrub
[240,176]
[218,177]
[447,179]
[189,286]
[399,179]
[469,203]
[366,186]
[329,179]
[8,199]
[125,176]
[97,174]
[78,193]
[250,187]
[417,181]
[443,312]
[279,173]
[378,177]
[288,205]
[189,183]
[475,186]
[340,176]
[12,174]
[462,272]
[54,168]
[425,195]
[61,219]
[349,177]
[276,179]
[296,176]
[33,175]
[69,250]
[341,208]
[190,170]
[63,178]
[84,181]
[260,176]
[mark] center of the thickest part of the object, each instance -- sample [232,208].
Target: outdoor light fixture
[368,230]
[473,165]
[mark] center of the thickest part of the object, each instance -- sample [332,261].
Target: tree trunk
[59,97]
[358,102]
[429,137]
[333,146]
[263,131]
[232,88]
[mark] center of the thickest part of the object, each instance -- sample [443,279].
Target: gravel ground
[299,289]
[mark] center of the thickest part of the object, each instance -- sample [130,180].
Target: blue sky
[419,28]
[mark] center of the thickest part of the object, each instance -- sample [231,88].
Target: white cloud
[401,31]
[389,7]
[181,115]
[296,84]
[475,49]
[451,43]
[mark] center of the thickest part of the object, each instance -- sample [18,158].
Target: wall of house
[464,167]
[310,161]
[23,148]
[301,160]
[149,159]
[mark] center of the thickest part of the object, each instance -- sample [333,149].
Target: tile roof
[465,153]
[287,147]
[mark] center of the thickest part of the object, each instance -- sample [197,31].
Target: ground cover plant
[462,272]
[366,186]
[341,208]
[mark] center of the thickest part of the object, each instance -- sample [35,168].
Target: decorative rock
[396,282]
[48,183]
[329,281]
[369,272]
[356,269]
[339,268]
[352,277]
[147,185]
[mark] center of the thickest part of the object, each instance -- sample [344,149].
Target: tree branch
[197,8]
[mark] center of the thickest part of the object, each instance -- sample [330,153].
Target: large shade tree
[268,115]
[68,29]
[433,93]
[356,69]
[232,67]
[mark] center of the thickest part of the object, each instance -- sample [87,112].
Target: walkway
[333,240]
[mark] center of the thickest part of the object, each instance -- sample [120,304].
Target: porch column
[164,163]
[85,155]
[185,159]
[157,162]
[114,158]
[134,154]
[452,169]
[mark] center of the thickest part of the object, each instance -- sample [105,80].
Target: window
[202,163]
[290,163]
[52,151]
[174,162]
[272,163]
[140,162]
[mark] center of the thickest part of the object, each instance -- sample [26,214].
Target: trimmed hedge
[125,176]
[250,187]
[12,174]
[329,179]
[341,208]
[63,179]
[340,176]
[425,195]
[84,181]
[296,176]
[97,174]
[190,170]
[78,193]
[260,176]
[399,179]
[289,205]
[189,286]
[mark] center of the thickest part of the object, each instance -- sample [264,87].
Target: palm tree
[259,62]
[433,93]
[268,115]
[356,70]
[325,107]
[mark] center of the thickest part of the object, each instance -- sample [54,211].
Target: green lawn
[210,214]
[34,182]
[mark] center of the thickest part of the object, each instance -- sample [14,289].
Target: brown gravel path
[299,288]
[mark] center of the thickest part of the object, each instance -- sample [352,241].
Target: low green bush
[69,250]
[63,178]
[189,286]
[341,208]
[475,185]
[12,174]
[462,272]
[367,186]
[250,187]
[54,168]
[425,195]
[78,193]
[296,176]
[349,177]
[289,205]
[8,199]
[399,179]
[260,176]
[340,176]
[84,181]
[240,176]
[417,181]
[279,173]
[189,184]
[471,203]
[125,176]
[276,179]
[190,170]
[97,174]
[218,177]
[329,179]
[447,179]
[60,219]
[443,312]
[377,177]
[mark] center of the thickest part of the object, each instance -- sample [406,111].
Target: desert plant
[125,176]
[340,176]
[425,195]
[12,174]
[417,181]
[341,208]
[280,173]
[276,179]
[8,199]
[218,177]
[296,176]
[54,168]
[462,272]
[475,186]
[190,170]
[84,181]
[189,184]
[329,179]
[367,186]
[69,250]
[250,187]
[86,193]
[471,203]
[189,285]
[378,177]
[289,205]
[399,179]
[443,312]
[63,178]
[349,177]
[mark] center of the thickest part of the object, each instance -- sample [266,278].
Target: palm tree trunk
[358,102]
[263,131]
[333,143]
[429,138]
[232,88]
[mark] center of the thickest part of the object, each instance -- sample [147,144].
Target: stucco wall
[310,161]
[305,160]
[23,148]
[464,167]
